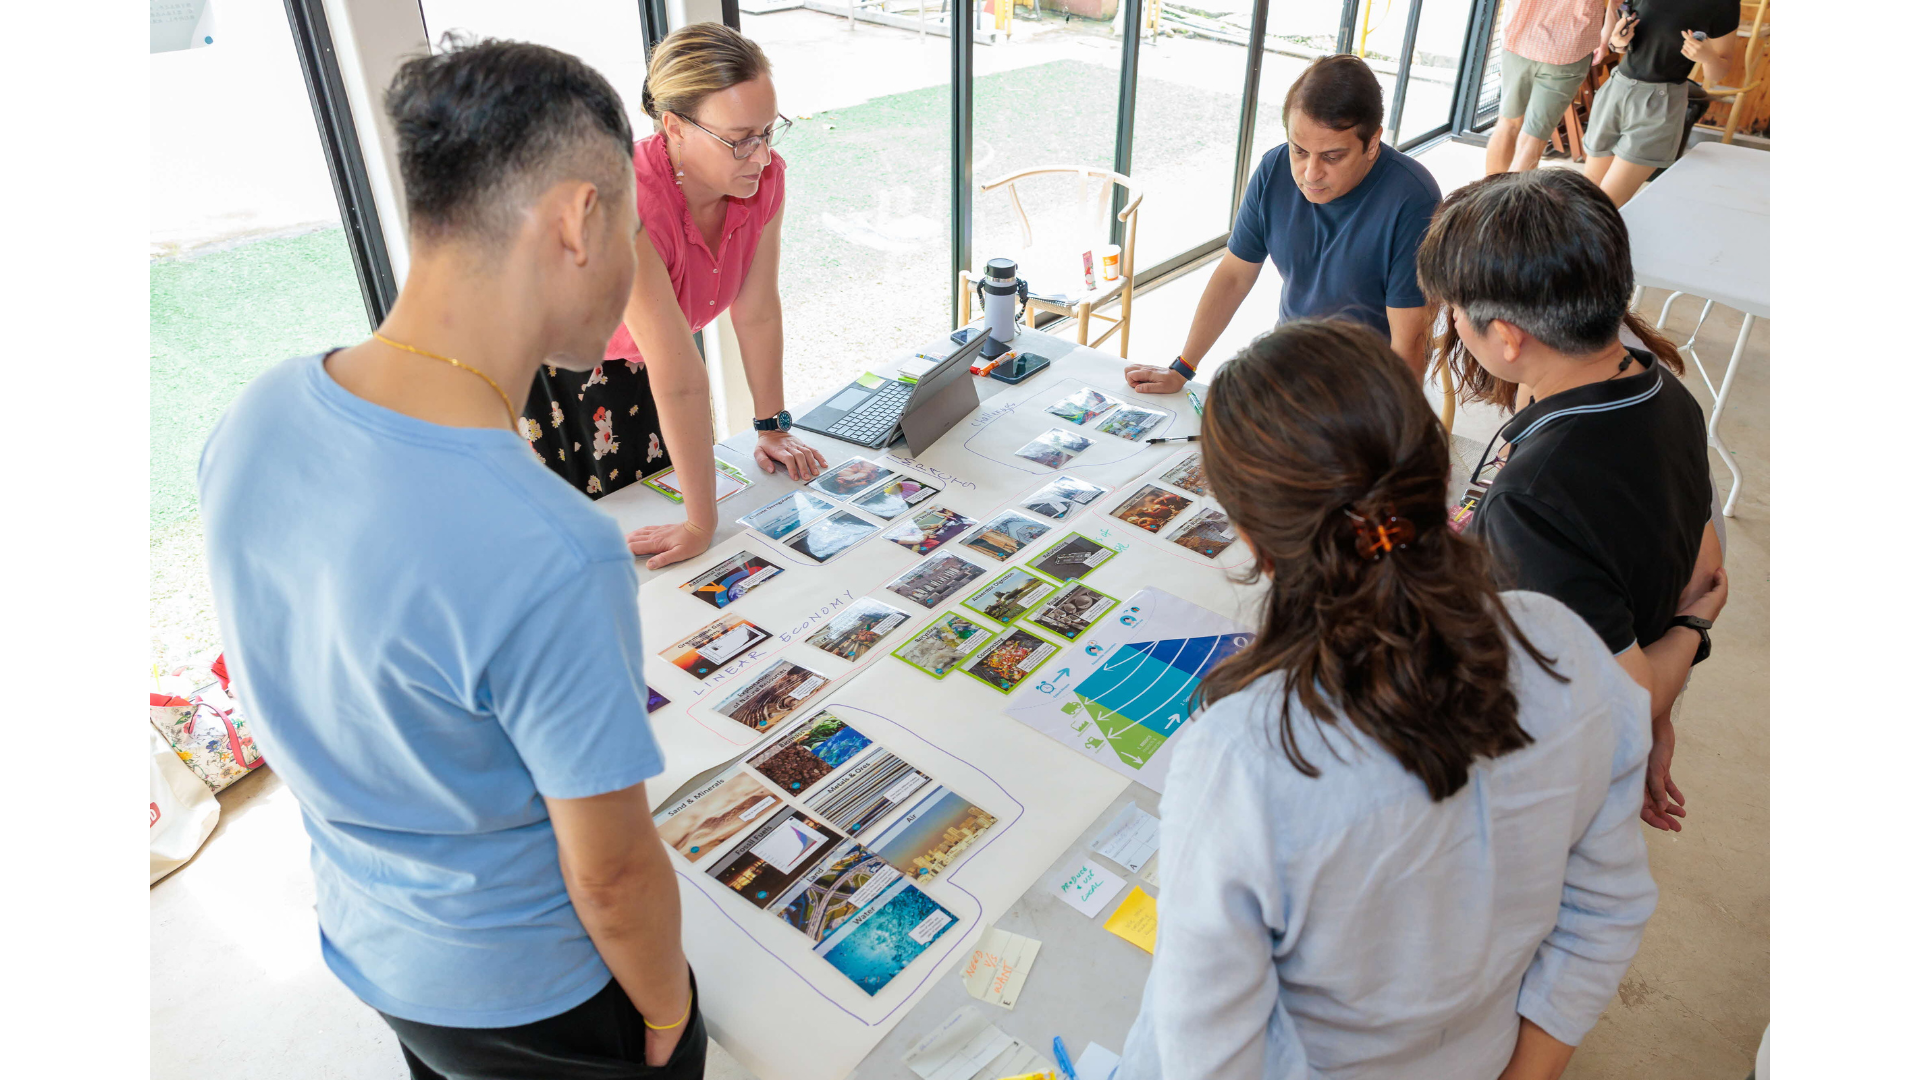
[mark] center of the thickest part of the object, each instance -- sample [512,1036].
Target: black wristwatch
[1702,625]
[780,421]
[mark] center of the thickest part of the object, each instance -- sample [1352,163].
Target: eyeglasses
[749,146]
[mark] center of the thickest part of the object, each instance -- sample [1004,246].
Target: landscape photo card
[714,645]
[942,644]
[1061,496]
[1009,596]
[1151,508]
[850,477]
[1082,405]
[1054,447]
[1133,422]
[1207,532]
[782,516]
[1005,534]
[848,879]
[933,581]
[781,851]
[714,813]
[1007,662]
[886,935]
[1072,557]
[725,582]
[929,528]
[772,695]
[831,535]
[851,633]
[922,842]
[808,752]
[895,497]
[1188,474]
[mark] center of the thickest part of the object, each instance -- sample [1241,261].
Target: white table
[1702,229]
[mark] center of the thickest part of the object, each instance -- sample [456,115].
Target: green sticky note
[869,380]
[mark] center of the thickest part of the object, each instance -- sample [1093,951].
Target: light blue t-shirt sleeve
[1249,238]
[1409,229]
[569,689]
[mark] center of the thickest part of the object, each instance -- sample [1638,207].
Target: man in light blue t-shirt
[1341,217]
[437,637]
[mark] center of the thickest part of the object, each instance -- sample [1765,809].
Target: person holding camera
[1548,47]
[1640,112]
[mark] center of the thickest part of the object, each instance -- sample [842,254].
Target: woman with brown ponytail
[1399,840]
[711,196]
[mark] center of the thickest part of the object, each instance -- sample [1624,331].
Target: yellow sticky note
[1137,919]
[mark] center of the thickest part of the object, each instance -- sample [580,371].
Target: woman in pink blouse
[711,193]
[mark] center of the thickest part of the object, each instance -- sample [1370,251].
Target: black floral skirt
[598,428]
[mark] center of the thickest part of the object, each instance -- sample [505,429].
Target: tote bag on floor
[181,810]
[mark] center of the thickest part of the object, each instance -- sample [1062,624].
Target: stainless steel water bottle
[1004,296]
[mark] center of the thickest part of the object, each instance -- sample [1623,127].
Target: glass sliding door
[605,33]
[1298,33]
[1432,68]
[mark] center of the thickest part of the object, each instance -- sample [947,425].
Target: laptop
[873,416]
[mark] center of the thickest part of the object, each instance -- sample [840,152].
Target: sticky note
[1089,887]
[1130,839]
[999,966]
[1096,1062]
[869,380]
[1150,873]
[1137,919]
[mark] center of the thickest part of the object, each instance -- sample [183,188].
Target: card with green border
[1009,596]
[1012,657]
[943,644]
[1072,558]
[1072,611]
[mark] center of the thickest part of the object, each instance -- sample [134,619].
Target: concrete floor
[236,924]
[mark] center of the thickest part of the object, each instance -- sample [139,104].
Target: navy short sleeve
[1536,551]
[1249,238]
[1409,229]
[569,690]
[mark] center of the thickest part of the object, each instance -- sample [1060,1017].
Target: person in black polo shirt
[1596,492]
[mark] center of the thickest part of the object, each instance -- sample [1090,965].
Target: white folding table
[1702,229]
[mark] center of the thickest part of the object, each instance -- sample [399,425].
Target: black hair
[1545,250]
[1340,92]
[482,124]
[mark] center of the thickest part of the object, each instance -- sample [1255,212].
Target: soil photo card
[714,645]
[775,855]
[848,879]
[1188,474]
[1002,537]
[714,813]
[1072,558]
[772,696]
[808,752]
[1208,533]
[1081,406]
[1005,663]
[726,582]
[928,529]
[1072,611]
[1151,508]
[927,839]
[852,632]
[727,480]
[942,644]
[785,514]
[895,497]
[831,535]
[1054,447]
[1133,421]
[934,581]
[885,936]
[850,478]
[1009,596]
[1062,496]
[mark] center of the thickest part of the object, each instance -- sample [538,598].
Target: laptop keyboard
[875,417]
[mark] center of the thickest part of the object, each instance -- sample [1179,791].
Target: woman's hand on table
[669,544]
[803,462]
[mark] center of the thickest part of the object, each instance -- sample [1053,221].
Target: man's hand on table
[803,462]
[669,544]
[1148,379]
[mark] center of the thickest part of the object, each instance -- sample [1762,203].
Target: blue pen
[1060,1055]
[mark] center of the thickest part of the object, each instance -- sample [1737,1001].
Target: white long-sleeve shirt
[1348,926]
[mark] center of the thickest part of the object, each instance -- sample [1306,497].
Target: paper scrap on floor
[999,966]
[1089,887]
[1130,839]
[1150,873]
[966,1046]
[1137,919]
[1096,1062]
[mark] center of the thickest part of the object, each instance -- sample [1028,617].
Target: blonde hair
[697,60]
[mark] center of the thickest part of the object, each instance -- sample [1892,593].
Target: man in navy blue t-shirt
[1343,227]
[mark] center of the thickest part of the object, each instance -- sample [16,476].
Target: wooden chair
[1081,304]
[1758,58]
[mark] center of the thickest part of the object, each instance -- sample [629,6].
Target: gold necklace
[513,416]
